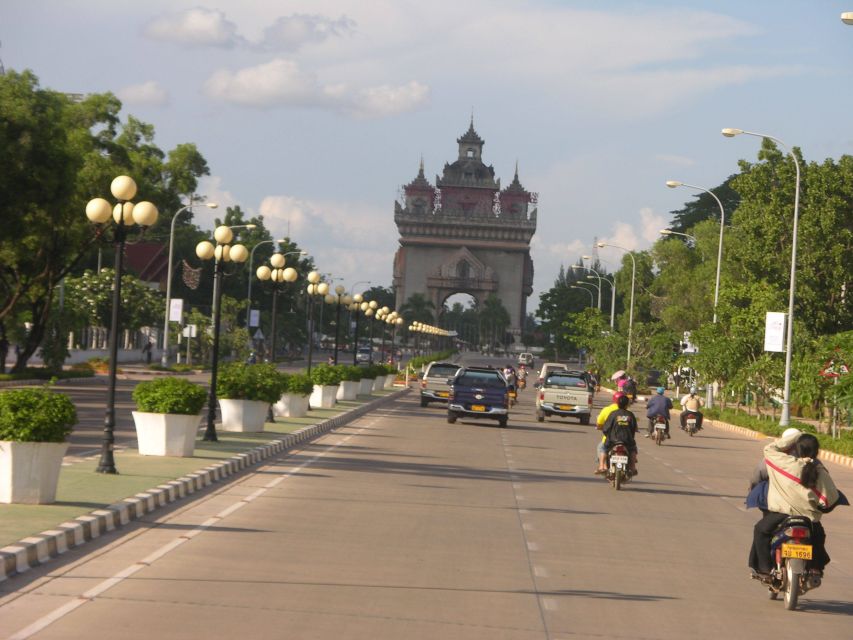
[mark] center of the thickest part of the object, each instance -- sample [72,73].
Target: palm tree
[494,316]
[418,309]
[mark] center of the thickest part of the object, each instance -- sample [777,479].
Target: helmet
[660,391]
[790,431]
[618,395]
[693,390]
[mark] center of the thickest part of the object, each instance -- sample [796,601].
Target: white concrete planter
[243,415]
[323,396]
[389,380]
[29,471]
[166,434]
[379,383]
[365,386]
[348,389]
[291,405]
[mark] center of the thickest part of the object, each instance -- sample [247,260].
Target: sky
[314,113]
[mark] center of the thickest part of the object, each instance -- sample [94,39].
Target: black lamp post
[338,298]
[314,288]
[223,252]
[277,274]
[370,312]
[355,307]
[124,215]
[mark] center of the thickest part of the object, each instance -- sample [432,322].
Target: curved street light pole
[591,298]
[164,358]
[601,245]
[785,418]
[251,274]
[612,283]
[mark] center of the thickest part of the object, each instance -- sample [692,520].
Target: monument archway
[466,235]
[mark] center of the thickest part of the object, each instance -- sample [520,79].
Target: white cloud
[289,33]
[282,83]
[146,94]
[211,187]
[197,27]
[675,160]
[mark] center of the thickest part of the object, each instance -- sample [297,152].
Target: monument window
[463,270]
[420,206]
[471,153]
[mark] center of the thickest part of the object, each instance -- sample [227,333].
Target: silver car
[434,387]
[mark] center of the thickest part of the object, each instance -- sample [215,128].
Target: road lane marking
[550,604]
[541,572]
[63,610]
[532,546]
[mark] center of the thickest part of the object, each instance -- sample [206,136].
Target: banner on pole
[176,309]
[254,317]
[774,331]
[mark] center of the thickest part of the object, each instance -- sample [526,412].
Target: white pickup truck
[565,394]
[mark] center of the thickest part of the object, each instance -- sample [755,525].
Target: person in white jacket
[799,485]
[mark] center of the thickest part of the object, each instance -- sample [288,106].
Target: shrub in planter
[350,382]
[34,424]
[170,395]
[326,376]
[245,392]
[167,416]
[351,373]
[294,398]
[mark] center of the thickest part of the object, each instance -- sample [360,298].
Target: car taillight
[541,396]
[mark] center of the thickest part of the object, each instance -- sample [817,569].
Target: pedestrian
[146,350]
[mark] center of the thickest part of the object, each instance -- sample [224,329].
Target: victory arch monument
[466,235]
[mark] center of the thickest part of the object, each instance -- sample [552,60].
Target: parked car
[364,354]
[526,359]
[477,392]
[565,394]
[434,387]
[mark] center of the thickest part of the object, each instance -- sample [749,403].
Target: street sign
[190,330]
[254,317]
[833,369]
[259,335]
[774,331]
[176,310]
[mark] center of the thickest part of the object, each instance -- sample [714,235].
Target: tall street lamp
[124,215]
[338,298]
[847,17]
[601,245]
[354,308]
[578,267]
[278,241]
[314,288]
[398,321]
[591,298]
[164,358]
[222,252]
[785,418]
[670,232]
[276,273]
[370,309]
[612,283]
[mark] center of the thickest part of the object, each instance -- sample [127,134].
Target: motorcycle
[691,423]
[791,549]
[617,465]
[513,396]
[659,435]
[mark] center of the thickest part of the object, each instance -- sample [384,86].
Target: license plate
[442,394]
[660,426]
[512,394]
[478,407]
[619,460]
[801,551]
[691,423]
[565,407]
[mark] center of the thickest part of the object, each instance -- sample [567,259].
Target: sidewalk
[89,504]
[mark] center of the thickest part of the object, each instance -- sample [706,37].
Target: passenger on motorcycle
[620,426]
[599,424]
[630,388]
[691,403]
[798,485]
[658,405]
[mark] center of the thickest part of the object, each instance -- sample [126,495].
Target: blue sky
[314,112]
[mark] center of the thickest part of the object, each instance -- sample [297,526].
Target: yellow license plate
[478,407]
[565,407]
[801,551]
[442,394]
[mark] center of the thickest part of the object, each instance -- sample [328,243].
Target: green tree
[91,296]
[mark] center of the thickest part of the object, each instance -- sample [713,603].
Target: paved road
[403,526]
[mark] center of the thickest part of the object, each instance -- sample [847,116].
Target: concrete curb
[831,456]
[38,549]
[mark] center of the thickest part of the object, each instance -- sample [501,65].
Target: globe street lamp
[164,358]
[601,245]
[277,274]
[314,288]
[338,298]
[124,215]
[398,321]
[251,261]
[370,312]
[354,308]
[785,418]
[222,252]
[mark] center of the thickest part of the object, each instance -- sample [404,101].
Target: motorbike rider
[620,426]
[691,403]
[658,405]
[599,425]
[798,485]
[630,388]
[522,377]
